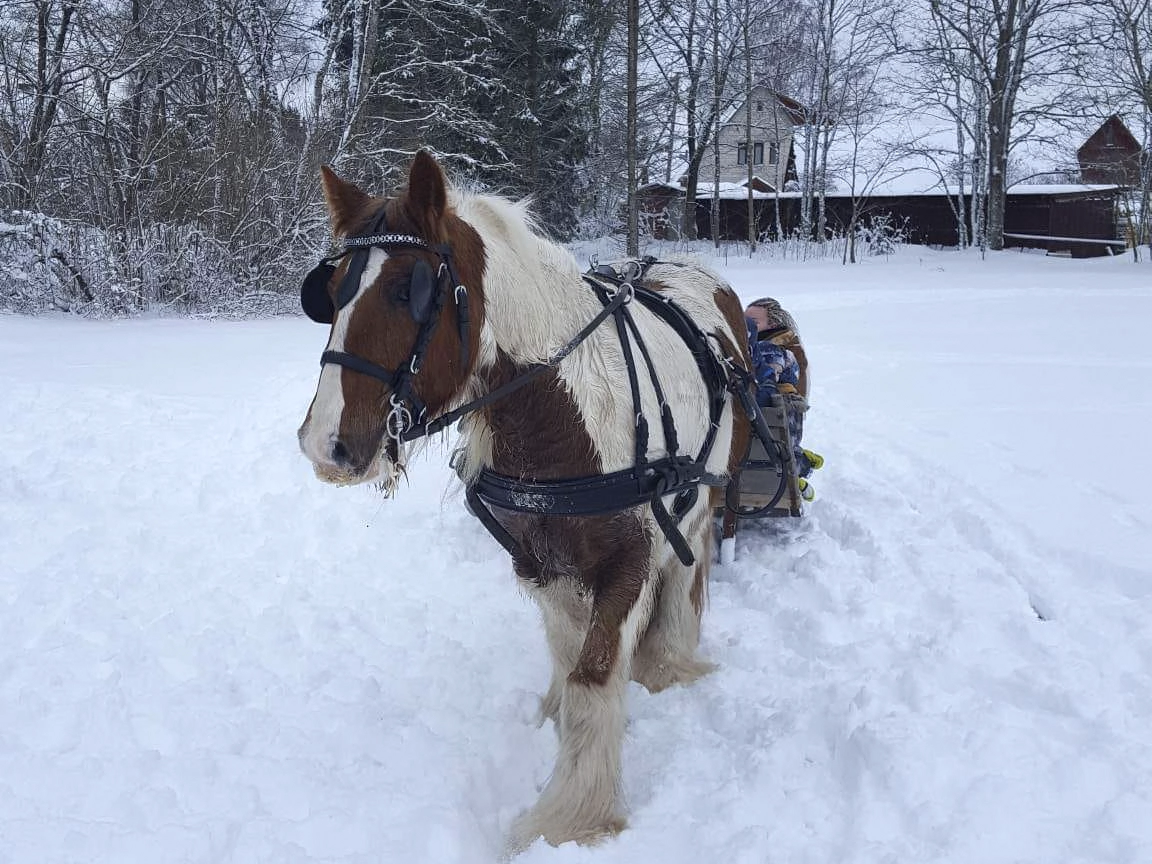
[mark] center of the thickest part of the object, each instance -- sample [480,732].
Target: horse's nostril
[340,453]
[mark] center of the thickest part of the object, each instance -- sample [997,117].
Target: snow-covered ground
[208,656]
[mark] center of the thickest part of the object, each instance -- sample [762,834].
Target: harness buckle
[414,365]
[460,289]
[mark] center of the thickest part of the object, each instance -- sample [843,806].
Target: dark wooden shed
[1078,220]
[1111,155]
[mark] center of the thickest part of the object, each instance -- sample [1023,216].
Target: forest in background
[166,152]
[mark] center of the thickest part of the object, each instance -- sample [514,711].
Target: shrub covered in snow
[53,265]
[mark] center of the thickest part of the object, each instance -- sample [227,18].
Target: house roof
[760,186]
[796,112]
[1112,134]
[895,190]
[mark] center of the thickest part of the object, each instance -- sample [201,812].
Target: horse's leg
[566,614]
[666,654]
[581,801]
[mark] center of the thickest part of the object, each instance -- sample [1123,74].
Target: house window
[773,153]
[758,153]
[741,154]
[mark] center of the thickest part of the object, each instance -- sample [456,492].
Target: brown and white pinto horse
[617,602]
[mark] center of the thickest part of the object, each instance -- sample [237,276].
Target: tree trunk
[746,30]
[997,195]
[716,85]
[633,239]
[693,173]
[672,127]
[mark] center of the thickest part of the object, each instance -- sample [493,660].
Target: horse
[449,305]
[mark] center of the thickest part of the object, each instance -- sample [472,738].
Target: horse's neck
[533,309]
[535,302]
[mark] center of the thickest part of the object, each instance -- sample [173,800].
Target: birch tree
[1013,48]
[695,42]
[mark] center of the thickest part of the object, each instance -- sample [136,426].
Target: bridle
[425,295]
[407,415]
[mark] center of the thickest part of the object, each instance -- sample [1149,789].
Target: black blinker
[420,296]
[314,299]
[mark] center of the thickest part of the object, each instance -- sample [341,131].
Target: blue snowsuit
[778,373]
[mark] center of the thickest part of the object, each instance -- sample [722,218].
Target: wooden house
[1111,155]
[771,155]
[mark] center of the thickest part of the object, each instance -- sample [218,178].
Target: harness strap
[641,436]
[667,421]
[421,430]
[711,369]
[463,321]
[359,364]
[499,532]
[645,482]
[742,388]
[597,495]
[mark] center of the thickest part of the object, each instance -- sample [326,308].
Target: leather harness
[646,482]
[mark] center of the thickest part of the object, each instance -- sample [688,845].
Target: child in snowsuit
[781,367]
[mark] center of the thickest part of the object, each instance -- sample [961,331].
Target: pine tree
[539,109]
[432,73]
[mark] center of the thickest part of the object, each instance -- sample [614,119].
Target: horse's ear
[427,191]
[347,203]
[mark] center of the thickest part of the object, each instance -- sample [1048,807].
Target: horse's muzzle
[340,462]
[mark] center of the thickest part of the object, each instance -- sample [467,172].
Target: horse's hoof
[528,829]
[661,676]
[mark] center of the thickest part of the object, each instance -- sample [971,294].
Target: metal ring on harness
[627,290]
[399,419]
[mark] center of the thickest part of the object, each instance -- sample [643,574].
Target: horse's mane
[510,228]
[533,288]
[534,300]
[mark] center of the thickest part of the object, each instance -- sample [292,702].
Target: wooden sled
[766,484]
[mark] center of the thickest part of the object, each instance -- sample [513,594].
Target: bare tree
[874,151]
[1119,54]
[940,84]
[682,39]
[843,45]
[1013,47]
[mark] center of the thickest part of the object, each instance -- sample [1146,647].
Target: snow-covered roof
[738,191]
[794,109]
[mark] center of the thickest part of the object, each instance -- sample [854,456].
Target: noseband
[425,296]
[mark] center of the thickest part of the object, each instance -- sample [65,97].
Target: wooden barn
[1111,155]
[1079,220]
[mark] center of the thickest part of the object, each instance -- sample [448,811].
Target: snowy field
[208,656]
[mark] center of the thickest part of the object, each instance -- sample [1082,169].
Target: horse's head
[405,304]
